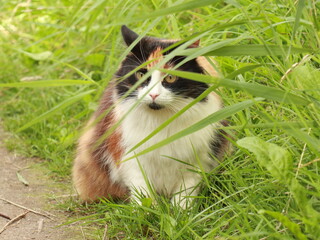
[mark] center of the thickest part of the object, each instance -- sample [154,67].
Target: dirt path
[35,196]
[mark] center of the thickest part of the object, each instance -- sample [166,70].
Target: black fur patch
[220,145]
[186,87]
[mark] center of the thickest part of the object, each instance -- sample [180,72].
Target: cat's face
[159,91]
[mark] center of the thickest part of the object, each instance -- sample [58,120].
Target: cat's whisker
[131,66]
[176,60]
[136,58]
[142,53]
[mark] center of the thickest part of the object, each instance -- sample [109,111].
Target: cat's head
[159,91]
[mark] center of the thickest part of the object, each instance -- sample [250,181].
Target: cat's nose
[153,96]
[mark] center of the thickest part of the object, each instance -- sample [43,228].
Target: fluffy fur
[99,169]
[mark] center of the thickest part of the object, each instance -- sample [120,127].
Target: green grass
[269,188]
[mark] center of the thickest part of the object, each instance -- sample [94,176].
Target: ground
[38,196]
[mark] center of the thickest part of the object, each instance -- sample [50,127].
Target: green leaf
[306,78]
[45,83]
[301,198]
[305,204]
[146,202]
[22,179]
[213,118]
[168,224]
[38,56]
[56,109]
[252,88]
[275,159]
[256,50]
[293,227]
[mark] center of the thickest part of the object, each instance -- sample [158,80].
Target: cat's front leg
[135,180]
[138,189]
[186,190]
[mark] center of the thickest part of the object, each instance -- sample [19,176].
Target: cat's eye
[170,78]
[139,75]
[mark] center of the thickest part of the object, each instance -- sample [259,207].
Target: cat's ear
[128,35]
[195,44]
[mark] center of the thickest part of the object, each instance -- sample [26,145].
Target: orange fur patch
[113,146]
[155,57]
[92,181]
[206,65]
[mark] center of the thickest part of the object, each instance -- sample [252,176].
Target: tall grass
[58,56]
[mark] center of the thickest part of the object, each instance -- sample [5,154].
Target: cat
[99,170]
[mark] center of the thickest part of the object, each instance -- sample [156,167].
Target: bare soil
[36,196]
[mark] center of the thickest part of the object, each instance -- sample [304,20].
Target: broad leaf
[293,227]
[275,159]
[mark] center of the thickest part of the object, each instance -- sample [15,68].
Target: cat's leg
[92,180]
[134,178]
[186,190]
[138,189]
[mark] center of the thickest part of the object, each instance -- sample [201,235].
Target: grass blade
[301,5]
[265,92]
[274,125]
[252,88]
[56,109]
[177,8]
[256,50]
[81,73]
[310,140]
[243,70]
[45,83]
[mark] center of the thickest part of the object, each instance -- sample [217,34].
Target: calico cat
[99,169]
